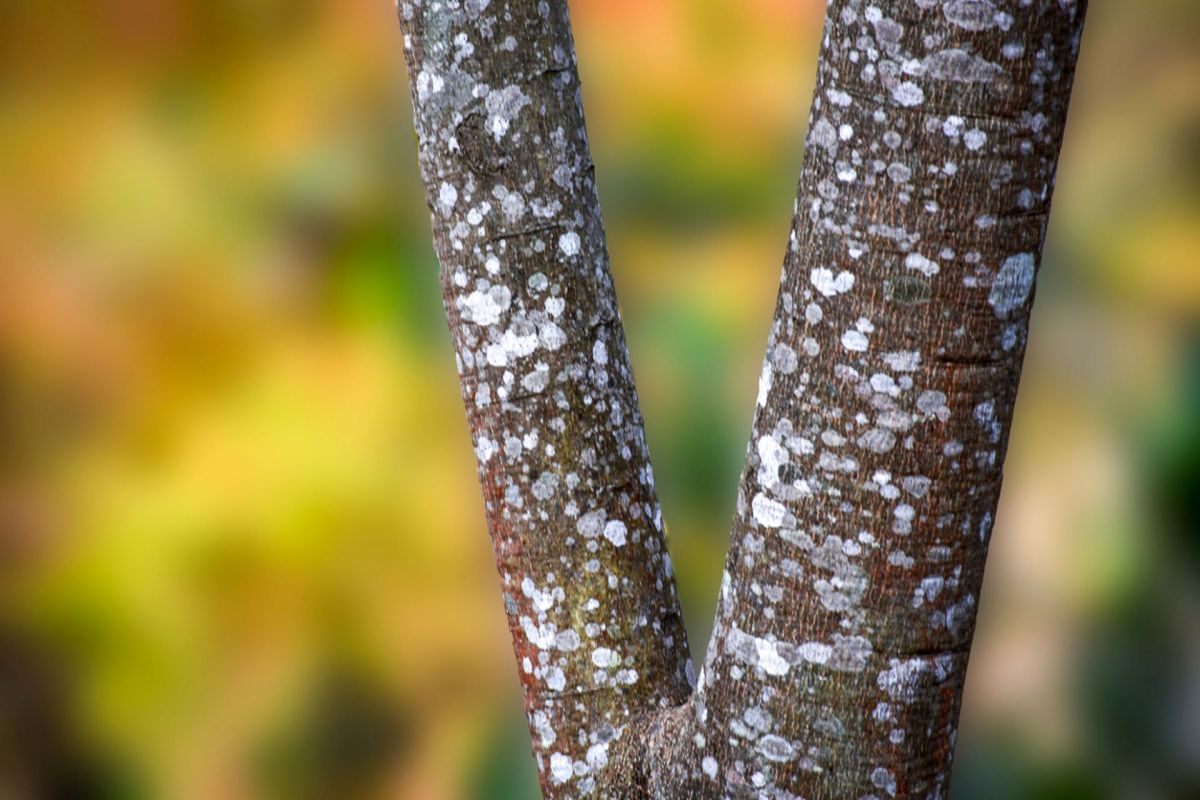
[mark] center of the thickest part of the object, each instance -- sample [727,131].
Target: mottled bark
[569,494]
[836,664]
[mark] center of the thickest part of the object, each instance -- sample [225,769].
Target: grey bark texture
[836,664]
[569,494]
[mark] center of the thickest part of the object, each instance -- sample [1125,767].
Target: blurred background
[242,549]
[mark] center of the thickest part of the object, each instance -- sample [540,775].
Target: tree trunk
[569,494]
[846,612]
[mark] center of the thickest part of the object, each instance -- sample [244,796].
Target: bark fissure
[848,603]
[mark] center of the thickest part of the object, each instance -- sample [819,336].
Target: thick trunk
[846,613]
[837,660]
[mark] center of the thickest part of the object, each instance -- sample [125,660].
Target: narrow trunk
[846,613]
[569,494]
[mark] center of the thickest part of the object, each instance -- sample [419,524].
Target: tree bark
[569,494]
[847,608]
[837,660]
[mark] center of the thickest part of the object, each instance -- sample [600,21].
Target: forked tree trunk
[845,618]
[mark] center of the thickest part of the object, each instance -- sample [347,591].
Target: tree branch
[575,525]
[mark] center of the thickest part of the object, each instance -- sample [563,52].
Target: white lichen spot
[916,485]
[854,341]
[502,106]
[447,197]
[511,203]
[541,721]
[428,84]
[597,756]
[921,264]
[908,94]
[884,779]
[823,135]
[974,139]
[903,678]
[877,440]
[962,67]
[519,340]
[882,383]
[486,448]
[561,770]
[932,402]
[600,352]
[615,532]
[784,359]
[626,677]
[551,336]
[591,524]
[903,360]
[985,411]
[764,384]
[850,653]
[772,455]
[769,659]
[767,512]
[1012,285]
[838,97]
[485,307]
[815,652]
[828,284]
[898,172]
[971,15]
[604,658]
[568,243]
[536,381]
[776,748]
[709,765]
[545,485]
[567,641]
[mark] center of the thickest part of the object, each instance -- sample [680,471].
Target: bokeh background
[242,549]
